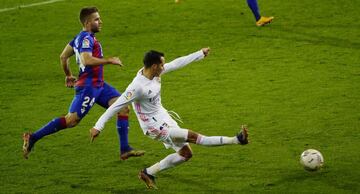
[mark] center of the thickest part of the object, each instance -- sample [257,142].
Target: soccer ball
[311,160]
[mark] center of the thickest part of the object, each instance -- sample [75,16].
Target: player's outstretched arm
[131,93]
[108,114]
[183,61]
[88,59]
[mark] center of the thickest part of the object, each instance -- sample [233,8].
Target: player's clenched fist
[115,61]
[70,81]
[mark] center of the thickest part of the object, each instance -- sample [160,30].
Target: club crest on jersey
[86,43]
[128,95]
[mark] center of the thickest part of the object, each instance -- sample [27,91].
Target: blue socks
[58,124]
[123,129]
[52,127]
[254,8]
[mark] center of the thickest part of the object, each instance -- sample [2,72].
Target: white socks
[176,159]
[216,140]
[168,162]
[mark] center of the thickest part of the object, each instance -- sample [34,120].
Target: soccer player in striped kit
[144,92]
[90,87]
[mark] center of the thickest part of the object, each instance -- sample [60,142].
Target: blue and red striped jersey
[88,75]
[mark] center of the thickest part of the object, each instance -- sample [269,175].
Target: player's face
[160,67]
[95,22]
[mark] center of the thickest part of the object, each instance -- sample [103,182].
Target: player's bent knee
[192,137]
[72,120]
[186,152]
[71,123]
[187,156]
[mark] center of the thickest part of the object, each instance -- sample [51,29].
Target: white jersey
[145,96]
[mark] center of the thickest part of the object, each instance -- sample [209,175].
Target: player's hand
[93,134]
[115,61]
[206,51]
[70,81]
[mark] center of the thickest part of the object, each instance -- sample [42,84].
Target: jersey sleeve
[132,92]
[72,43]
[87,44]
[183,61]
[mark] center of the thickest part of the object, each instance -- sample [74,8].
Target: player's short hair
[86,12]
[152,57]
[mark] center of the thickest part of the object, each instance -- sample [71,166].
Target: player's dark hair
[86,12]
[152,57]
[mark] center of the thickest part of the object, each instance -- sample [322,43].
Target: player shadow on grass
[82,187]
[140,189]
[313,37]
[196,182]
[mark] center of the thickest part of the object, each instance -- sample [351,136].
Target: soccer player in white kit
[144,92]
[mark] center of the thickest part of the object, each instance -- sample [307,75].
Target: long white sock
[168,162]
[216,140]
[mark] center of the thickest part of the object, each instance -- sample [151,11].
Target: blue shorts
[85,97]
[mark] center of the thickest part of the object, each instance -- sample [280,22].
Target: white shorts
[172,136]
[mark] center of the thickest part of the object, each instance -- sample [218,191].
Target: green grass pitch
[296,83]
